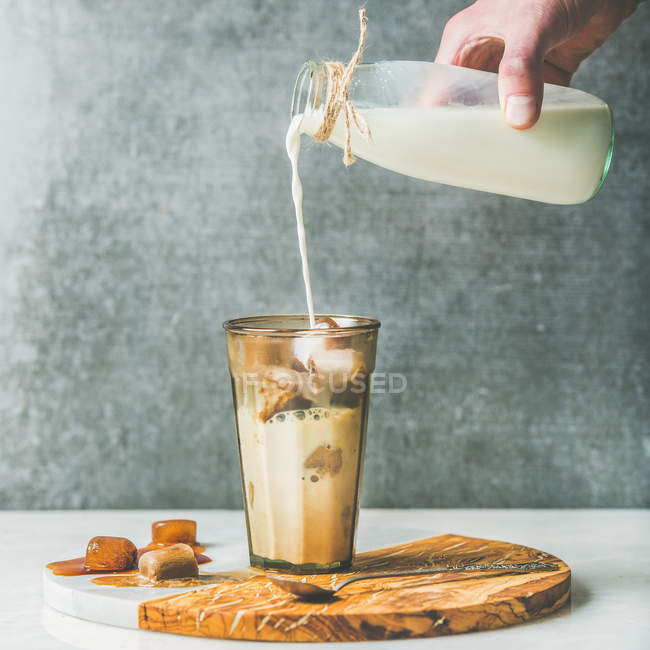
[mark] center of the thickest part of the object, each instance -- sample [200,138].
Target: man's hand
[529,42]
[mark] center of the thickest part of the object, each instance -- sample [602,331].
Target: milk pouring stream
[293,150]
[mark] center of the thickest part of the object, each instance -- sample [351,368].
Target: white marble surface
[608,550]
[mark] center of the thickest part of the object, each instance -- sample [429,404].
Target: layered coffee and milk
[301,425]
[301,470]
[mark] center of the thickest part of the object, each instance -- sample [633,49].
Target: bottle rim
[303,90]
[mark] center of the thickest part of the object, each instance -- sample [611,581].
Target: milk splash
[293,150]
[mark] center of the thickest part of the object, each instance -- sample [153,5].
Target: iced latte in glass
[301,400]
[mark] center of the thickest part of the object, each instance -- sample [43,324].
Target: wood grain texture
[395,608]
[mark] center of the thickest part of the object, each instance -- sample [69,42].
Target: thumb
[521,81]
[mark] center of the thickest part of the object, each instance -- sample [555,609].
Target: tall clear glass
[301,399]
[444,123]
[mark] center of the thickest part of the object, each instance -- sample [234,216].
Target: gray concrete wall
[144,199]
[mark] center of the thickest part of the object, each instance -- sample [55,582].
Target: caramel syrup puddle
[135,579]
[76,566]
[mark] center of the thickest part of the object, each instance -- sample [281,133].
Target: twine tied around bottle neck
[339,78]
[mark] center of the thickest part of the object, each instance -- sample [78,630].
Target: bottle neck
[309,93]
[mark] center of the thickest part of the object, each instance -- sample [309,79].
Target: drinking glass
[301,399]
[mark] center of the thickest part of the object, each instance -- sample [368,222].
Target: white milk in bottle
[444,124]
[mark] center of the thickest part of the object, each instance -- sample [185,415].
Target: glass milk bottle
[444,124]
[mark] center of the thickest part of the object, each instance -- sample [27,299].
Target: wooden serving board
[395,608]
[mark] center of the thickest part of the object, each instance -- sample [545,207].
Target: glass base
[288,567]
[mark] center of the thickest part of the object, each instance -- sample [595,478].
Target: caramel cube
[110,554]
